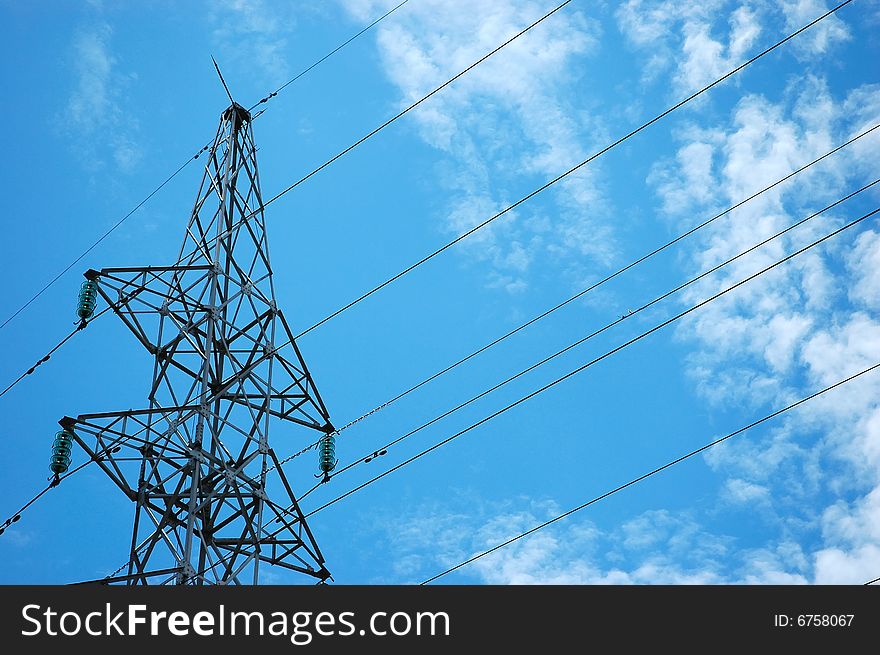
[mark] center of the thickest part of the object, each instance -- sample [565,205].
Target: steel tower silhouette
[197,462]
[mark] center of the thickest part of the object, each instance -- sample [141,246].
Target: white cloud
[655,547]
[855,523]
[864,264]
[703,40]
[743,492]
[836,566]
[803,326]
[813,473]
[843,348]
[504,127]
[820,38]
[693,166]
[705,58]
[90,102]
[785,564]
[18,538]
[94,118]
[772,320]
[667,28]
[256,32]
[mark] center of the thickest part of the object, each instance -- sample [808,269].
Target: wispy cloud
[812,477]
[802,327]
[821,39]
[504,127]
[655,547]
[742,492]
[684,35]
[806,325]
[18,538]
[852,531]
[94,118]
[700,41]
[255,32]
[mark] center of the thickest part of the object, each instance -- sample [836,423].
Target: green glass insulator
[88,299]
[59,462]
[327,454]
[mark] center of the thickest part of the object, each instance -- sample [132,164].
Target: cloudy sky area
[796,500]
[806,327]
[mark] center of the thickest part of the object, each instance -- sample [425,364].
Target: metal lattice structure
[197,461]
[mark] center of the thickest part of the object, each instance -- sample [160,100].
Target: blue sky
[104,100]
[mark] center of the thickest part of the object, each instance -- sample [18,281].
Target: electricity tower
[197,462]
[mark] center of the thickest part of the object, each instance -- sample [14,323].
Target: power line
[386,124]
[643,477]
[265,99]
[590,363]
[327,56]
[100,239]
[545,360]
[545,186]
[463,236]
[552,182]
[298,453]
[52,484]
[599,331]
[593,286]
[527,323]
[655,471]
[410,108]
[17,515]
[367,136]
[45,358]
[577,295]
[110,575]
[180,168]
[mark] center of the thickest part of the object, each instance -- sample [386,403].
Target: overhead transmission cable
[394,118]
[604,280]
[329,161]
[54,482]
[842,4]
[634,481]
[579,294]
[326,57]
[654,472]
[408,109]
[100,239]
[388,122]
[596,333]
[580,341]
[45,358]
[596,360]
[180,168]
[536,192]
[546,185]
[605,150]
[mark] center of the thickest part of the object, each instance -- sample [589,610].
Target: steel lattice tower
[196,461]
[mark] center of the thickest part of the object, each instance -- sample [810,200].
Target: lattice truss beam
[196,461]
